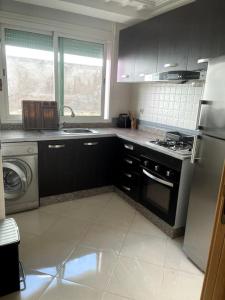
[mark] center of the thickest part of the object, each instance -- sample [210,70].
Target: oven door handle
[157,179]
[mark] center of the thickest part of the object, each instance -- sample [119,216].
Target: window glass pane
[81,76]
[30,68]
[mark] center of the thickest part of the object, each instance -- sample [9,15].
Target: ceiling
[120,11]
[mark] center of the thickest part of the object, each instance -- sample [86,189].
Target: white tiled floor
[100,248]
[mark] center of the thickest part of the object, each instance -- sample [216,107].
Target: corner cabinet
[95,162]
[175,40]
[70,165]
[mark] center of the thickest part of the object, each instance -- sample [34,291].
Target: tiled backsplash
[168,104]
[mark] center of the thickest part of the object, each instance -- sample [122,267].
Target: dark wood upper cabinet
[208,32]
[126,56]
[147,48]
[174,39]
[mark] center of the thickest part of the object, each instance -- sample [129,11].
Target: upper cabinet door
[174,39]
[126,55]
[208,32]
[147,48]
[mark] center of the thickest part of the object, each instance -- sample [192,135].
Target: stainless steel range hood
[175,76]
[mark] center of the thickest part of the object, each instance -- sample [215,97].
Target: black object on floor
[9,257]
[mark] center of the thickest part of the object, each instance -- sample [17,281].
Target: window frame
[5,117]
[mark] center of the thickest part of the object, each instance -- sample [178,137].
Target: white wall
[168,104]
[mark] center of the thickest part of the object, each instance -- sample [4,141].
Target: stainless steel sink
[79,130]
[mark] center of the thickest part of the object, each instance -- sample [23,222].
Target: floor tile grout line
[115,294]
[45,289]
[110,278]
[128,230]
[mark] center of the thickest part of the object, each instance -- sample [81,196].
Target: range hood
[176,76]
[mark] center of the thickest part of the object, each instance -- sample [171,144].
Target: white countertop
[140,137]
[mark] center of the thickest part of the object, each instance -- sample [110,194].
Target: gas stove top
[176,142]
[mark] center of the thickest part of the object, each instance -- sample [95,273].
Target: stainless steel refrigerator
[208,156]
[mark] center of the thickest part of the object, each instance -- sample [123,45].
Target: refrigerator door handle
[201,103]
[195,149]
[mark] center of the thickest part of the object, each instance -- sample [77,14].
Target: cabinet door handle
[125,76]
[173,65]
[91,144]
[56,146]
[130,147]
[126,188]
[128,175]
[129,161]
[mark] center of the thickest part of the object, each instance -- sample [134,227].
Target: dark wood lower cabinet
[71,165]
[95,163]
[56,167]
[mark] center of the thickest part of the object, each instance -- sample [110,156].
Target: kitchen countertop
[141,137]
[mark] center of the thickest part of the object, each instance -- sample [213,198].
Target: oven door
[159,195]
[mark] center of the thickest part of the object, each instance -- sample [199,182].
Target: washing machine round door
[17,177]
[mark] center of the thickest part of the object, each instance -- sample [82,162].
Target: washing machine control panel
[23,148]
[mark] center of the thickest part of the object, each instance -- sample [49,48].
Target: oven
[159,192]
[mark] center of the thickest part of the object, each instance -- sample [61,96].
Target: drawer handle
[56,146]
[125,76]
[91,144]
[129,161]
[126,188]
[128,175]
[130,147]
[173,65]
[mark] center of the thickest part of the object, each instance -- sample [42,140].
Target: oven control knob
[168,173]
[145,163]
[156,168]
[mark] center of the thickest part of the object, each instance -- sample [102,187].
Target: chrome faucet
[70,108]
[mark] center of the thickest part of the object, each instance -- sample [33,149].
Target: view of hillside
[33,79]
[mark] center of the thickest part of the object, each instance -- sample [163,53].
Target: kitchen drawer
[129,148]
[129,182]
[130,163]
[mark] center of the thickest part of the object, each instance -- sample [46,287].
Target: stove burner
[174,145]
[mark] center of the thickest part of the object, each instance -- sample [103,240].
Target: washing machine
[20,176]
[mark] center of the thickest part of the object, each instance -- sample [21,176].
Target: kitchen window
[53,68]
[81,74]
[30,68]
